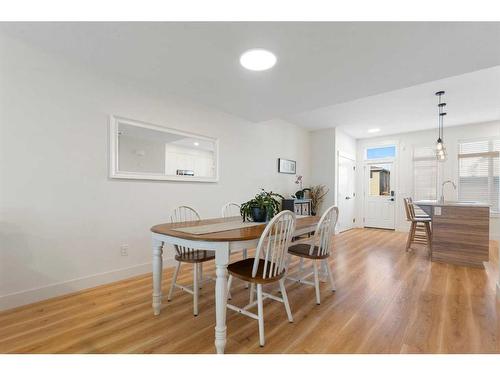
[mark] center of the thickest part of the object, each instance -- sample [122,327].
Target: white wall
[326,144]
[404,165]
[62,220]
[323,162]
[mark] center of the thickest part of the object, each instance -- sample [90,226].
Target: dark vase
[259,215]
[299,194]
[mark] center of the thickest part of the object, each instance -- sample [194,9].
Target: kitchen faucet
[442,189]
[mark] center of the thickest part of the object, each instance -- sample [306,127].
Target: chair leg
[316,282]
[174,280]
[410,236]
[414,233]
[330,275]
[285,300]
[324,271]
[245,256]
[260,308]
[252,292]
[229,281]
[196,290]
[200,275]
[301,266]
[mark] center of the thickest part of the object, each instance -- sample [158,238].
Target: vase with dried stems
[317,194]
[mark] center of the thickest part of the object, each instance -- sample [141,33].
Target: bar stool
[420,227]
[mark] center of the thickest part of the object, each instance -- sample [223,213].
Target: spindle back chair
[318,251]
[273,246]
[184,213]
[231,209]
[268,266]
[187,255]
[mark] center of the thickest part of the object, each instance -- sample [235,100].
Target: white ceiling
[471,98]
[319,64]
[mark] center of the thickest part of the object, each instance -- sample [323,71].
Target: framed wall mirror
[151,152]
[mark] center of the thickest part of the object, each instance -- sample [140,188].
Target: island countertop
[451,203]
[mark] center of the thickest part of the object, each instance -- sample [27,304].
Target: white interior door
[346,196]
[380,207]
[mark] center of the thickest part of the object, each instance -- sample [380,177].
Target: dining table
[222,235]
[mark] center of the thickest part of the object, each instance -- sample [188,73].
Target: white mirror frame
[113,153]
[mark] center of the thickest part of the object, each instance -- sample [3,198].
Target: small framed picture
[287,166]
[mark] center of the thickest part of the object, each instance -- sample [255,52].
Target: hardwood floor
[387,301]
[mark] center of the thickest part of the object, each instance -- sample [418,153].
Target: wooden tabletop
[241,234]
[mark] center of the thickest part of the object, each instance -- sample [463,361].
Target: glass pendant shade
[440,147]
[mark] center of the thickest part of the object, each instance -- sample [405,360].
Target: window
[425,174]
[380,179]
[478,163]
[381,152]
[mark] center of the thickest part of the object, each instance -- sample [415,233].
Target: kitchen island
[460,232]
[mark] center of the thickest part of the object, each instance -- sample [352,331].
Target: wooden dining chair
[188,255]
[233,209]
[268,266]
[420,227]
[318,250]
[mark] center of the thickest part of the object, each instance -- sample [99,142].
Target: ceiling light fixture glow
[258,59]
[196,143]
[374,130]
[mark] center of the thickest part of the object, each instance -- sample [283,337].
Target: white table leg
[157,273]
[221,262]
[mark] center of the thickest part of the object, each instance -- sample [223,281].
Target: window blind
[479,165]
[425,173]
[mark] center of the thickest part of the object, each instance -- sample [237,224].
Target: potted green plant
[262,207]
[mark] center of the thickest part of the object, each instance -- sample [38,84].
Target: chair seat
[243,270]
[302,250]
[195,256]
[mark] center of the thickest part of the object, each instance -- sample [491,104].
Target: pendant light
[441,154]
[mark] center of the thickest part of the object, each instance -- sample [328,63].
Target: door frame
[395,162]
[344,155]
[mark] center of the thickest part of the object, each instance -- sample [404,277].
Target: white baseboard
[70,286]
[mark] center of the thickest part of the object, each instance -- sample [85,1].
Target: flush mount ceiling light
[196,143]
[258,59]
[374,130]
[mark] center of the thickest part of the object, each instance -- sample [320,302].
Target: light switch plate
[437,211]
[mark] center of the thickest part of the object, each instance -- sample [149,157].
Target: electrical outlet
[124,250]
